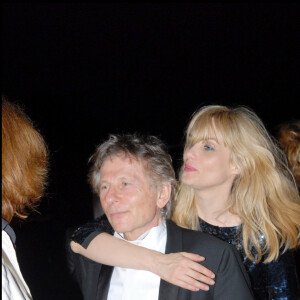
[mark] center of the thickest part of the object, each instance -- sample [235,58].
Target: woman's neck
[212,208]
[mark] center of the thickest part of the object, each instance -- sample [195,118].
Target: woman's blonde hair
[264,194]
[24,162]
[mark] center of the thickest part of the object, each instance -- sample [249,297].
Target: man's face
[127,197]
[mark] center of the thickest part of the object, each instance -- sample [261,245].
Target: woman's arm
[180,269]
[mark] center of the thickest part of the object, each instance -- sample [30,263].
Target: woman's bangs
[199,131]
[221,129]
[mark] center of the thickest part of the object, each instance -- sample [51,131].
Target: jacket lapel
[104,282]
[167,290]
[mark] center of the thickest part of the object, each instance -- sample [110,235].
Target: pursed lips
[188,168]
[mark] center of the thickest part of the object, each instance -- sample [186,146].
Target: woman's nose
[189,153]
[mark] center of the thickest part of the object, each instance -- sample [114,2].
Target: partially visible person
[135,181]
[288,135]
[289,139]
[235,184]
[24,172]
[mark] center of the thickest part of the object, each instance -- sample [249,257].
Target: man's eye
[103,187]
[125,183]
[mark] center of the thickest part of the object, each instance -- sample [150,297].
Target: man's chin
[120,228]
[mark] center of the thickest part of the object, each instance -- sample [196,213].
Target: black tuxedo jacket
[232,282]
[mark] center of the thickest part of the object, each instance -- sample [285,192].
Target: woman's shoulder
[91,228]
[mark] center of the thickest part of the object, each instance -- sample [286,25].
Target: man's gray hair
[152,151]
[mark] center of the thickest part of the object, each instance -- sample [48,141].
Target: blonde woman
[236,185]
[288,135]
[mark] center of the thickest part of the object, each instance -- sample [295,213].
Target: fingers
[198,267]
[192,284]
[194,276]
[183,269]
[193,256]
[203,271]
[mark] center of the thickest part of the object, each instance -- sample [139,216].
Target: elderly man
[135,180]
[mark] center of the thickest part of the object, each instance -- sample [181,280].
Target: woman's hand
[183,269]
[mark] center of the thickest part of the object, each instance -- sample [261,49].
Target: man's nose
[111,195]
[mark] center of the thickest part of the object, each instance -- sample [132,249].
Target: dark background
[82,71]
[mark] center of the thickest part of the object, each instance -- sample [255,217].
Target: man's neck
[143,235]
[136,234]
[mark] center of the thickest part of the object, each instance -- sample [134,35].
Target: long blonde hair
[264,195]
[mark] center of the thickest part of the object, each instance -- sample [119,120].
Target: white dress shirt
[129,284]
[14,286]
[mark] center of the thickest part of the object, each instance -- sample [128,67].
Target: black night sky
[85,70]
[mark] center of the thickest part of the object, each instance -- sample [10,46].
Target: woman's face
[207,165]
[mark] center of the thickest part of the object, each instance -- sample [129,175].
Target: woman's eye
[208,148]
[125,183]
[103,187]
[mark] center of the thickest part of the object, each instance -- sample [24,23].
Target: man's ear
[164,195]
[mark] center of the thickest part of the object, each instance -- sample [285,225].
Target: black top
[274,280]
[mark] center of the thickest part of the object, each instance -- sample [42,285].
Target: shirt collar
[9,231]
[160,228]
